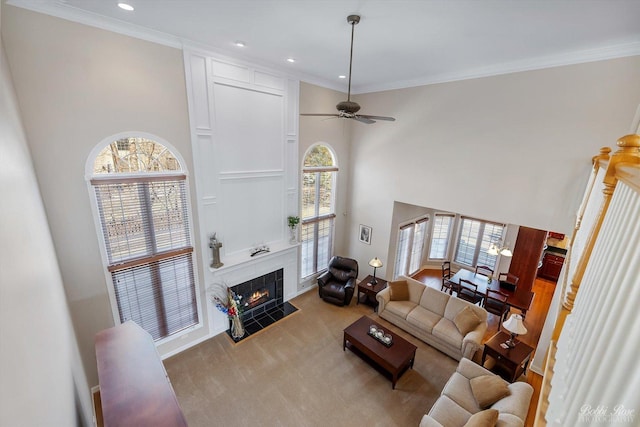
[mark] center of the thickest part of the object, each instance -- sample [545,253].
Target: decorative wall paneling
[592,359]
[244,124]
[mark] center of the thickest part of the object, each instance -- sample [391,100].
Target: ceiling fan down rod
[353,20]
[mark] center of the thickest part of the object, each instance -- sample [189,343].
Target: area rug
[295,373]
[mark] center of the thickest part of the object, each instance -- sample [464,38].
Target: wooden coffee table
[512,360]
[394,360]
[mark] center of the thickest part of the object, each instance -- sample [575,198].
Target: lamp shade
[375,263]
[515,325]
[493,249]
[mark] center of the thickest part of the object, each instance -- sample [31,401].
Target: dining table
[518,299]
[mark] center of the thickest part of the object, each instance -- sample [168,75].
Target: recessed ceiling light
[342,77]
[239,43]
[291,60]
[125,6]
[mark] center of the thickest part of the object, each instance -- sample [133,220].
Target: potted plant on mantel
[293,222]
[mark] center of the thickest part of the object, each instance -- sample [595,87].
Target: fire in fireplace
[261,294]
[258,297]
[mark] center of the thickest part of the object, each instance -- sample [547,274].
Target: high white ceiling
[399,43]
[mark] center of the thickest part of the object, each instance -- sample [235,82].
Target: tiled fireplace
[265,282]
[263,297]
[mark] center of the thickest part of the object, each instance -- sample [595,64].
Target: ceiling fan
[348,109]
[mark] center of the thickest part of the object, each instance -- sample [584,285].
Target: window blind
[440,236]
[145,225]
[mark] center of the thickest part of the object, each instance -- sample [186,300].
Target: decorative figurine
[215,245]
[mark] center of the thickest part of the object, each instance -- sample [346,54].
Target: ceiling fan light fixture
[125,6]
[348,109]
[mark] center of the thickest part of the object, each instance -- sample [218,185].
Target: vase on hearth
[292,235]
[237,328]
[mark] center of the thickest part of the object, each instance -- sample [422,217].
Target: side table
[512,360]
[370,291]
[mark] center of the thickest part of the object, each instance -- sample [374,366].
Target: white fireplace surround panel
[285,257]
[244,129]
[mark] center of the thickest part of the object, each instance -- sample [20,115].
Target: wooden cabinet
[526,256]
[551,267]
[134,387]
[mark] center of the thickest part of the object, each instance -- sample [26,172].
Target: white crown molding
[580,57]
[62,10]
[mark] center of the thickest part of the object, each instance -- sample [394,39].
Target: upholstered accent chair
[338,283]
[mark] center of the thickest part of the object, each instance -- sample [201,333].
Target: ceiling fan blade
[320,114]
[363,119]
[389,119]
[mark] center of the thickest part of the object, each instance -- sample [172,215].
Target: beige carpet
[295,374]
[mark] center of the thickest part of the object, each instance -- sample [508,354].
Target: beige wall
[333,132]
[513,148]
[39,360]
[76,86]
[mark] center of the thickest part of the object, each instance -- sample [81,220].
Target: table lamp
[516,327]
[375,263]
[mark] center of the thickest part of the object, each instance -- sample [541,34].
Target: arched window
[142,204]
[318,208]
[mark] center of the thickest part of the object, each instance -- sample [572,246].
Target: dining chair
[468,291]
[508,281]
[484,270]
[495,302]
[446,279]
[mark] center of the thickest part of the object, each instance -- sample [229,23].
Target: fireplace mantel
[238,259]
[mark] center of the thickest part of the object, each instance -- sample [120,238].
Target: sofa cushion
[466,320]
[488,389]
[400,308]
[446,330]
[459,390]
[448,413]
[399,290]
[434,300]
[423,319]
[486,418]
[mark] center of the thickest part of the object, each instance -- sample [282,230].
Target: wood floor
[543,290]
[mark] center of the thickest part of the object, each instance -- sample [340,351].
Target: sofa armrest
[383,297]
[472,342]
[324,278]
[351,283]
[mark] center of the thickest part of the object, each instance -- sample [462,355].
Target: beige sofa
[429,315]
[457,403]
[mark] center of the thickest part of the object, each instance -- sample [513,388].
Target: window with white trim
[474,239]
[411,243]
[441,235]
[318,209]
[142,202]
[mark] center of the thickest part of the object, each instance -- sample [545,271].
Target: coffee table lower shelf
[394,360]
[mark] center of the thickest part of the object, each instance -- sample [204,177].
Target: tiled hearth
[264,298]
[268,318]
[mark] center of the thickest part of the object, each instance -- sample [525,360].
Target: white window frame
[317,218]
[477,247]
[89,174]
[452,226]
[413,225]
